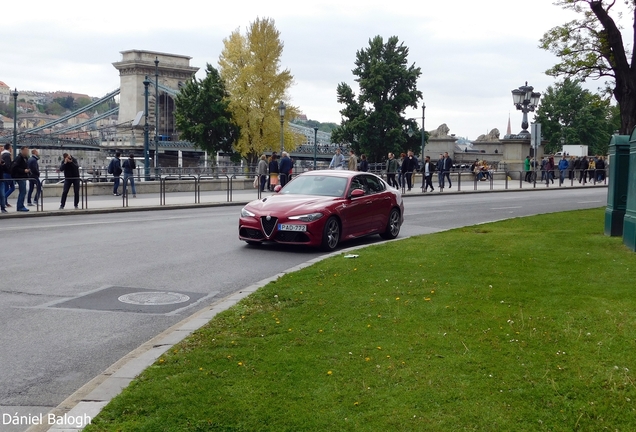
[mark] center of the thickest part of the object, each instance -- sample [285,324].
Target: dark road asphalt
[49,349]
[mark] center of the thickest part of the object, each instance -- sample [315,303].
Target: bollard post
[629,221]
[617,193]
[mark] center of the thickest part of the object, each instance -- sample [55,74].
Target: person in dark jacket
[600,169]
[273,172]
[583,166]
[20,172]
[549,171]
[409,165]
[34,183]
[3,168]
[70,168]
[129,166]
[364,163]
[114,168]
[447,165]
[7,185]
[284,168]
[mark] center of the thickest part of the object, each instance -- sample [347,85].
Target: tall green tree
[592,46]
[575,115]
[250,65]
[202,113]
[373,121]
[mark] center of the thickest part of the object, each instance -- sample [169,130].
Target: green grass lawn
[522,325]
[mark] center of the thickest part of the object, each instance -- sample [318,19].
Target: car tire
[330,234]
[392,226]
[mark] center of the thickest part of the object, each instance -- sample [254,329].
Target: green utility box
[629,221]
[617,192]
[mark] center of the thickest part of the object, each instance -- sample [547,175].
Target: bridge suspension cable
[74,113]
[88,122]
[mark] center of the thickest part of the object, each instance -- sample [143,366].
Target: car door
[355,214]
[380,203]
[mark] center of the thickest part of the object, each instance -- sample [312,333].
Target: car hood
[291,204]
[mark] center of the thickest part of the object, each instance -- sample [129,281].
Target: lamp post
[146,140]
[281,111]
[411,132]
[525,100]
[15,121]
[156,116]
[315,146]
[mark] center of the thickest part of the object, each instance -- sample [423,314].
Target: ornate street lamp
[156,118]
[411,132]
[15,121]
[525,100]
[281,111]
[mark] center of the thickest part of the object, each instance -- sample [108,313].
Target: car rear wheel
[330,234]
[392,226]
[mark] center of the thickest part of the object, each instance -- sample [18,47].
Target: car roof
[334,173]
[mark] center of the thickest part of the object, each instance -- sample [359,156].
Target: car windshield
[316,185]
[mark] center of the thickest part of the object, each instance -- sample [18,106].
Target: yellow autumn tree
[250,66]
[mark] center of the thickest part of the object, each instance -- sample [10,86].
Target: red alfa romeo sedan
[323,208]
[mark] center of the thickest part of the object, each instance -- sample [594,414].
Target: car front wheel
[392,226]
[330,234]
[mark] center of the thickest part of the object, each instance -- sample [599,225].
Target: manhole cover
[153,298]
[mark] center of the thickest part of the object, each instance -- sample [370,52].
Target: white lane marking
[61,225]
[505,208]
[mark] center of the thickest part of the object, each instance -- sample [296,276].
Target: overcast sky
[472,53]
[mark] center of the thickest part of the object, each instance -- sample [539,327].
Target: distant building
[5,93]
[6,123]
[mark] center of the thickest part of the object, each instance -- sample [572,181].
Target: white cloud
[472,53]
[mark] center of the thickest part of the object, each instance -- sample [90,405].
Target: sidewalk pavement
[109,203]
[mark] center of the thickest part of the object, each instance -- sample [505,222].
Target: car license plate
[291,227]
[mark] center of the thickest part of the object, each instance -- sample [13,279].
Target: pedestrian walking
[273,172]
[526,168]
[285,168]
[391,170]
[600,169]
[591,170]
[261,172]
[34,182]
[440,172]
[427,174]
[3,207]
[129,167]
[7,184]
[352,163]
[114,168]
[563,167]
[70,168]
[400,173]
[549,171]
[364,163]
[408,168]
[583,166]
[447,165]
[337,161]
[20,172]
[571,168]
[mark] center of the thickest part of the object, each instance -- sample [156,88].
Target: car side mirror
[277,188]
[357,193]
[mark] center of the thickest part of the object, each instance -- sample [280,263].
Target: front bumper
[251,229]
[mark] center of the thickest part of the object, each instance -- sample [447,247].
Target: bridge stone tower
[134,66]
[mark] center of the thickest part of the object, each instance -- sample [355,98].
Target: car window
[315,185]
[358,183]
[374,184]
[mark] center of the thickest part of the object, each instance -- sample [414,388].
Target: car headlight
[307,217]
[246,213]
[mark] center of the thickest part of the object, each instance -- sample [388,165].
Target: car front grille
[292,237]
[268,225]
[251,233]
